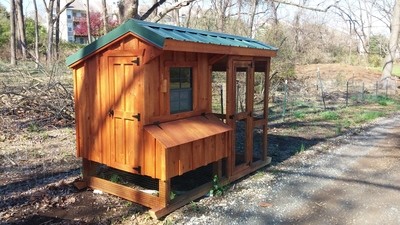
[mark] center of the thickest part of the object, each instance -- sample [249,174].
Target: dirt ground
[38,169]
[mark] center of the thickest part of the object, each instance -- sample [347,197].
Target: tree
[105,16]
[51,19]
[13,55]
[89,35]
[96,25]
[21,27]
[393,42]
[37,57]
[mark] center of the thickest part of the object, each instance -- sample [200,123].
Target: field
[39,170]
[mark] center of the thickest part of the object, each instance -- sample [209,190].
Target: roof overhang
[172,38]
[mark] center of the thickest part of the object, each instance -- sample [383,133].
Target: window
[68,16]
[180,89]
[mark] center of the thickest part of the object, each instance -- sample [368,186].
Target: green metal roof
[156,33]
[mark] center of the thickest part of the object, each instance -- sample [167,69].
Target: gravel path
[354,179]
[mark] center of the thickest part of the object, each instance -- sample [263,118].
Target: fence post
[285,100]
[386,87]
[362,92]
[222,99]
[376,89]
[322,90]
[347,93]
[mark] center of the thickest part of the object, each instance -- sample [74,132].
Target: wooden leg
[164,189]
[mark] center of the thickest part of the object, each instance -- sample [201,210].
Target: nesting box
[156,103]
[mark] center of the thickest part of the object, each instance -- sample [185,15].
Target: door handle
[111,113]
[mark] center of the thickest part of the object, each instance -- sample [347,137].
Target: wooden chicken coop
[160,110]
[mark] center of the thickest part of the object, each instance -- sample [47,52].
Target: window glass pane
[174,78]
[180,89]
[186,78]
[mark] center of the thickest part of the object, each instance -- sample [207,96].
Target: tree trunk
[105,17]
[393,40]
[89,35]
[50,29]
[128,9]
[51,18]
[254,5]
[57,31]
[21,28]
[13,57]
[37,59]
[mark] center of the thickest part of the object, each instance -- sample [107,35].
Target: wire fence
[316,93]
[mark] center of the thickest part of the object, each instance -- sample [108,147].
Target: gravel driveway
[353,179]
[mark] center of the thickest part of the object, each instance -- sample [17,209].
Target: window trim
[181,90]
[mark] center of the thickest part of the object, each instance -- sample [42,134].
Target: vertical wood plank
[151,90]
[210,149]
[80,103]
[173,161]
[149,165]
[161,161]
[198,156]
[105,106]
[185,158]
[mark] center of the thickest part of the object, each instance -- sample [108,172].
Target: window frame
[181,89]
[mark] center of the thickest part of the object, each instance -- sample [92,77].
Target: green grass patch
[299,115]
[329,115]
[368,116]
[385,101]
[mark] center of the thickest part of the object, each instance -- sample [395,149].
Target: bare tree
[105,16]
[21,27]
[89,35]
[221,8]
[13,58]
[37,57]
[57,31]
[177,5]
[51,19]
[393,41]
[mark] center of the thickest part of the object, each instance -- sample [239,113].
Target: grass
[368,116]
[329,115]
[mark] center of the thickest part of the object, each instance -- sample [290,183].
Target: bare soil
[38,167]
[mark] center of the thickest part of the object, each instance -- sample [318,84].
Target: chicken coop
[160,110]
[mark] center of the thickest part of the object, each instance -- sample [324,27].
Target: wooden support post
[164,190]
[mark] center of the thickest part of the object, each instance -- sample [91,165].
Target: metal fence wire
[321,93]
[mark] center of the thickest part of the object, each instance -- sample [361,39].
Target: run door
[240,117]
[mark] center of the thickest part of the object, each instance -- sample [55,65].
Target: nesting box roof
[158,34]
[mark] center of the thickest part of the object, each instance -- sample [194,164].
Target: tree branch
[151,10]
[287,2]
[176,5]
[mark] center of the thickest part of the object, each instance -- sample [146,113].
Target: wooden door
[123,115]
[241,119]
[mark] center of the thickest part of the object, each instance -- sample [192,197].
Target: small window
[69,16]
[180,89]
